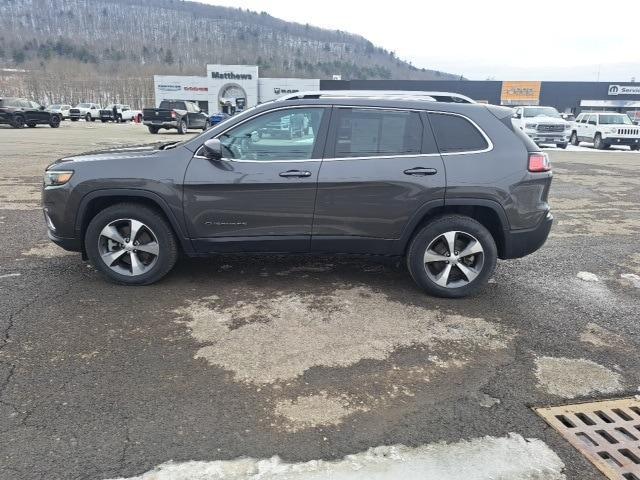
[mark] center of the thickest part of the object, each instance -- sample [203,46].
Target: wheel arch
[96,201]
[489,213]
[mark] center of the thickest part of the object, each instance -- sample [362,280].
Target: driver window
[280,135]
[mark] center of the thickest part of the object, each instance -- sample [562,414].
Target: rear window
[373,133]
[172,105]
[456,134]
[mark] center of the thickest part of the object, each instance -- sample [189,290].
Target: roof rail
[388,94]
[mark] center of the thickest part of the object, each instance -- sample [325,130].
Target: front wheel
[635,148]
[452,256]
[153,130]
[561,145]
[87,117]
[18,121]
[598,143]
[574,139]
[131,244]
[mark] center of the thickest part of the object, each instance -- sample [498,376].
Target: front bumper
[518,243]
[70,244]
[548,137]
[621,141]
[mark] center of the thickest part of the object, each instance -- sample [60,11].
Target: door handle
[420,171]
[295,173]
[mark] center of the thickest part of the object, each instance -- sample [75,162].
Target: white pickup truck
[543,125]
[89,111]
[124,113]
[604,129]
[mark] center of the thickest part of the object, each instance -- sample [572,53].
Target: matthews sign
[231,76]
[624,90]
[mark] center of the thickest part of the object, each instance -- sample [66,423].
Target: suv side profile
[451,186]
[605,129]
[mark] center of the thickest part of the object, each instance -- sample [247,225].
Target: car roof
[415,95]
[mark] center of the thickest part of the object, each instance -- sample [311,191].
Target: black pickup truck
[179,114]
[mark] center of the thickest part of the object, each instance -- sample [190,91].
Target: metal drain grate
[607,433]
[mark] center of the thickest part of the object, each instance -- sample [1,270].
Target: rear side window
[456,134]
[373,133]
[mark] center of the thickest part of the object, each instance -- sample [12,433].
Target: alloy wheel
[453,259]
[128,247]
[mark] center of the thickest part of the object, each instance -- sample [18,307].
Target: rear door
[260,196]
[380,167]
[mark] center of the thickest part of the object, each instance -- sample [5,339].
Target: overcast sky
[480,39]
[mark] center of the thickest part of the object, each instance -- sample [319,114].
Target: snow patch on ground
[278,337]
[631,279]
[575,377]
[587,276]
[487,458]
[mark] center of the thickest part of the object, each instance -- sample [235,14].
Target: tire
[574,139]
[467,232]
[87,117]
[153,130]
[54,121]
[155,233]
[93,119]
[31,125]
[635,148]
[74,119]
[598,143]
[18,121]
[182,127]
[119,119]
[561,145]
[103,120]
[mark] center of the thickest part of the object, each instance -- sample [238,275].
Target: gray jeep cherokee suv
[446,183]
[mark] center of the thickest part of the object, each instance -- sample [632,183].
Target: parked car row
[544,125]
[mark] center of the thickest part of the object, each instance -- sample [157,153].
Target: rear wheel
[87,117]
[18,121]
[452,256]
[153,130]
[54,121]
[574,139]
[131,244]
[182,127]
[561,145]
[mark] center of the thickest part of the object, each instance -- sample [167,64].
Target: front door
[260,196]
[381,166]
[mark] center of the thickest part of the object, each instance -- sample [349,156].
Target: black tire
[430,233]
[54,121]
[561,145]
[18,121]
[74,119]
[119,118]
[182,126]
[574,139]
[153,130]
[635,148]
[598,143]
[31,125]
[103,120]
[168,246]
[93,119]
[87,117]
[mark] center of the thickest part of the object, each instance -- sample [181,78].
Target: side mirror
[517,115]
[213,149]
[41,107]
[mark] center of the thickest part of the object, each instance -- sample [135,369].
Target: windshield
[54,106]
[540,111]
[615,120]
[84,105]
[8,102]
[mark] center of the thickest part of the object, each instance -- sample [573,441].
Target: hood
[130,153]
[543,119]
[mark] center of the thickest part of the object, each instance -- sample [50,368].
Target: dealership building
[235,87]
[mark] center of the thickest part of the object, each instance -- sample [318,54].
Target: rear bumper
[171,124]
[518,243]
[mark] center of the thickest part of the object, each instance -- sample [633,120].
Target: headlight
[530,125]
[55,178]
[612,130]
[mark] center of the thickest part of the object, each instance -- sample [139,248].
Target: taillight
[173,114]
[539,162]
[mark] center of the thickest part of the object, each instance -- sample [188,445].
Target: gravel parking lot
[303,358]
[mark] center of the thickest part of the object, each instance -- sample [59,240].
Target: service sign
[624,90]
[520,93]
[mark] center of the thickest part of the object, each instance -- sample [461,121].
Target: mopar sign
[169,88]
[623,90]
[281,91]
